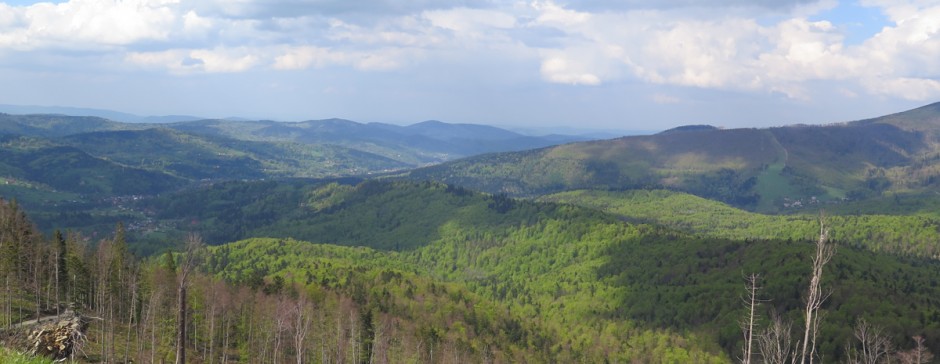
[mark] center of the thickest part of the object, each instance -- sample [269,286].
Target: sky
[597,64]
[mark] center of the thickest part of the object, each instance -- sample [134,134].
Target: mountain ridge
[748,167]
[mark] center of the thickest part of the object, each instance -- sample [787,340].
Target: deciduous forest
[495,280]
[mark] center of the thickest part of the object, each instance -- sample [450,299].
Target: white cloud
[560,70]
[194,23]
[737,53]
[180,61]
[8,16]
[555,15]
[266,9]
[901,60]
[701,54]
[909,88]
[401,32]
[304,57]
[91,22]
[225,60]
[678,42]
[464,20]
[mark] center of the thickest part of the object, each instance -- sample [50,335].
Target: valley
[335,241]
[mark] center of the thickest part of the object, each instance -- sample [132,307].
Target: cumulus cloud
[738,53]
[561,71]
[583,43]
[909,88]
[90,22]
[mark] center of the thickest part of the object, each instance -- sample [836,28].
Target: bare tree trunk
[37,282]
[111,323]
[8,303]
[56,273]
[774,342]
[187,265]
[354,336]
[226,324]
[250,333]
[748,324]
[875,346]
[918,355]
[153,333]
[211,332]
[815,296]
[181,326]
[301,326]
[130,314]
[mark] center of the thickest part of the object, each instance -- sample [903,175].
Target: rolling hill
[70,169]
[52,160]
[762,169]
[623,254]
[600,287]
[247,149]
[197,157]
[419,144]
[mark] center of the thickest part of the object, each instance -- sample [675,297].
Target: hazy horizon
[596,64]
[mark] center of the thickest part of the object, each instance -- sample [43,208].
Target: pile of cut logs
[56,337]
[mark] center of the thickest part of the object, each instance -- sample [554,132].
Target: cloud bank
[773,47]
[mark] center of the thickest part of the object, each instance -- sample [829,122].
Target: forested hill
[405,215]
[50,161]
[762,169]
[475,276]
[413,145]
[601,288]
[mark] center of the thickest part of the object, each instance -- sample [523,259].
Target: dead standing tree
[814,294]
[874,346]
[747,325]
[774,341]
[188,261]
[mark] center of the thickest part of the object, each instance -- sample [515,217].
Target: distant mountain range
[105,114]
[165,156]
[564,131]
[763,169]
[771,169]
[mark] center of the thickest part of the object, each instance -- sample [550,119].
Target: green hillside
[631,250]
[50,125]
[52,162]
[198,157]
[908,235]
[543,281]
[924,119]
[73,170]
[719,164]
[629,290]
[418,144]
[387,291]
[382,215]
[758,169]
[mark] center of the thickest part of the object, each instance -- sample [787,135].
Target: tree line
[200,306]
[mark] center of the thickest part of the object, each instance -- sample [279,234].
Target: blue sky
[627,64]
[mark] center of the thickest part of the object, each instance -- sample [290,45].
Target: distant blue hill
[106,114]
